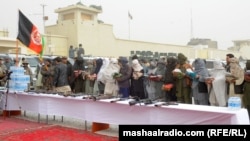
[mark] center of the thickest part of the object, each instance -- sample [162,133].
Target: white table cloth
[121,112]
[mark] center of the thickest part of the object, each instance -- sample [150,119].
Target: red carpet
[13,129]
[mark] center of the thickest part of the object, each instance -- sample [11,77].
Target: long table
[103,111]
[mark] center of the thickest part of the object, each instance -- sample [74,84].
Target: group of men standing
[169,79]
[79,51]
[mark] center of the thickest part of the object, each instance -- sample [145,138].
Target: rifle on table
[166,103]
[138,100]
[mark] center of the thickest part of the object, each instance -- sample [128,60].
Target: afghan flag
[29,35]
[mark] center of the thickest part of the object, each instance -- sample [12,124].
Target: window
[69,16]
[86,17]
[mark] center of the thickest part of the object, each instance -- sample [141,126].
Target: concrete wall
[100,41]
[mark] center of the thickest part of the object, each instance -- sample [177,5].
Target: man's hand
[232,81]
[118,79]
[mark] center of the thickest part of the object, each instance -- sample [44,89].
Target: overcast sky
[160,21]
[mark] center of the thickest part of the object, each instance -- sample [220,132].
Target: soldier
[47,72]
[27,71]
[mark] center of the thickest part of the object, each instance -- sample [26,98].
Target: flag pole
[43,46]
[129,28]
[129,18]
[17,61]
[191,23]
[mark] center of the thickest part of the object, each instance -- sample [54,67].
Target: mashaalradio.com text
[173,132]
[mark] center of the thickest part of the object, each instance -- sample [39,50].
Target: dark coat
[60,75]
[126,71]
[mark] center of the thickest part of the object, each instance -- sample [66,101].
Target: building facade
[79,24]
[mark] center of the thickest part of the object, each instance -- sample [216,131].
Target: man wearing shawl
[151,79]
[183,82]
[217,87]
[138,80]
[100,80]
[98,64]
[235,78]
[160,72]
[246,92]
[111,85]
[200,97]
[124,79]
[170,93]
